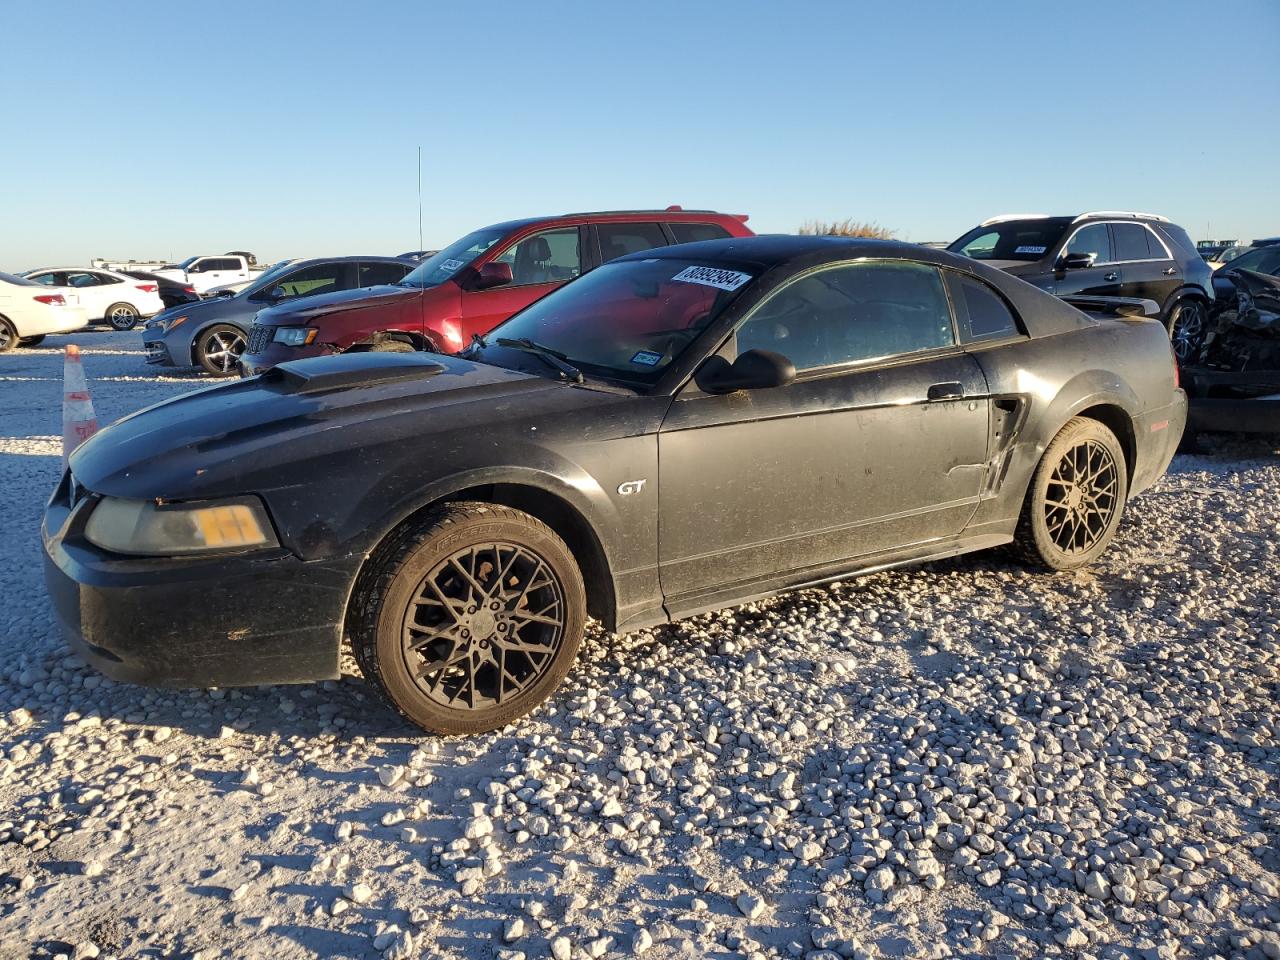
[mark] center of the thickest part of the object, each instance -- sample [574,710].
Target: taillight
[147,287]
[52,299]
[188,289]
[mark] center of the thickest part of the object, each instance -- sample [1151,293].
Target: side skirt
[681,608]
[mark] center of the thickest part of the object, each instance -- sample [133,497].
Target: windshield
[19,281]
[436,269]
[187,262]
[265,278]
[624,321]
[1026,240]
[1260,260]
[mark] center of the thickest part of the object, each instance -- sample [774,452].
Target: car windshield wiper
[551,357]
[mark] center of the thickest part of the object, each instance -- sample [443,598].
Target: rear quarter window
[981,313]
[693,232]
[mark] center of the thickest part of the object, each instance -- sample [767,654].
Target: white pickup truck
[205,273]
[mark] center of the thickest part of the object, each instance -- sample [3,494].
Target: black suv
[1106,253]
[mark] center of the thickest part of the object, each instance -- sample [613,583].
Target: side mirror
[753,370]
[493,274]
[1076,261]
[276,294]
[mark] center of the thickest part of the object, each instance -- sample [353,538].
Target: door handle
[946,391]
[1170,271]
[1112,276]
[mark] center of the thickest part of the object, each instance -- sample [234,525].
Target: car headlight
[295,336]
[146,528]
[172,322]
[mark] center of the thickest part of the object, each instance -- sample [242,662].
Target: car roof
[700,216]
[771,250]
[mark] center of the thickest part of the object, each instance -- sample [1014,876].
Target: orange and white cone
[79,422]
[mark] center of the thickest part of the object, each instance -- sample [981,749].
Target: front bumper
[157,351]
[225,621]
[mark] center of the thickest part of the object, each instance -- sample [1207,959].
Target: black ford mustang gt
[681,429]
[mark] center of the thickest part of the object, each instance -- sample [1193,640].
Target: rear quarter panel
[1126,365]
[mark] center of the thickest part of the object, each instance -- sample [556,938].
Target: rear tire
[1187,325]
[8,335]
[218,349]
[1076,498]
[469,619]
[122,316]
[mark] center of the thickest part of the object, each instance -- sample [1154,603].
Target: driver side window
[852,313]
[1092,239]
[548,257]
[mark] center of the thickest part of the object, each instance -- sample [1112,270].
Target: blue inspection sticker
[647,357]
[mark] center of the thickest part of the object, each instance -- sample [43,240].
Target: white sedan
[29,311]
[118,299]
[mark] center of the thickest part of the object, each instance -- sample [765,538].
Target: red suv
[471,285]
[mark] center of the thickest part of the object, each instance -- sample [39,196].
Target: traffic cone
[79,422]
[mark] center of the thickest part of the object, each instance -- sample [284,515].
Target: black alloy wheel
[469,618]
[485,624]
[1082,497]
[1076,498]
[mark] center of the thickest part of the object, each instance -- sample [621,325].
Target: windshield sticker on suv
[711,277]
[648,358]
[451,265]
[1030,250]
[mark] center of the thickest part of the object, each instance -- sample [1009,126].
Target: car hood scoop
[320,374]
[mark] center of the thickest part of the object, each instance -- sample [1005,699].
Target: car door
[1102,278]
[1149,268]
[95,294]
[879,443]
[539,261]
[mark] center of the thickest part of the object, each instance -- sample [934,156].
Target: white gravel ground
[964,759]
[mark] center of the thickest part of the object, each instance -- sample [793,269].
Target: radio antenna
[419,196]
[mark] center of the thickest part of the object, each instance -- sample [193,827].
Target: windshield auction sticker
[1029,249]
[451,265]
[711,277]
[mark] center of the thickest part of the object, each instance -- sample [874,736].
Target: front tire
[470,619]
[1076,498]
[218,349]
[32,341]
[122,316]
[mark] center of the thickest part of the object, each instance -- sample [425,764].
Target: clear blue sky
[291,129]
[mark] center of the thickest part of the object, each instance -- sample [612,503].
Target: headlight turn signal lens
[295,336]
[145,528]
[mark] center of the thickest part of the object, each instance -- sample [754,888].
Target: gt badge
[630,486]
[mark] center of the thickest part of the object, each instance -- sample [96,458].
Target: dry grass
[845,228]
